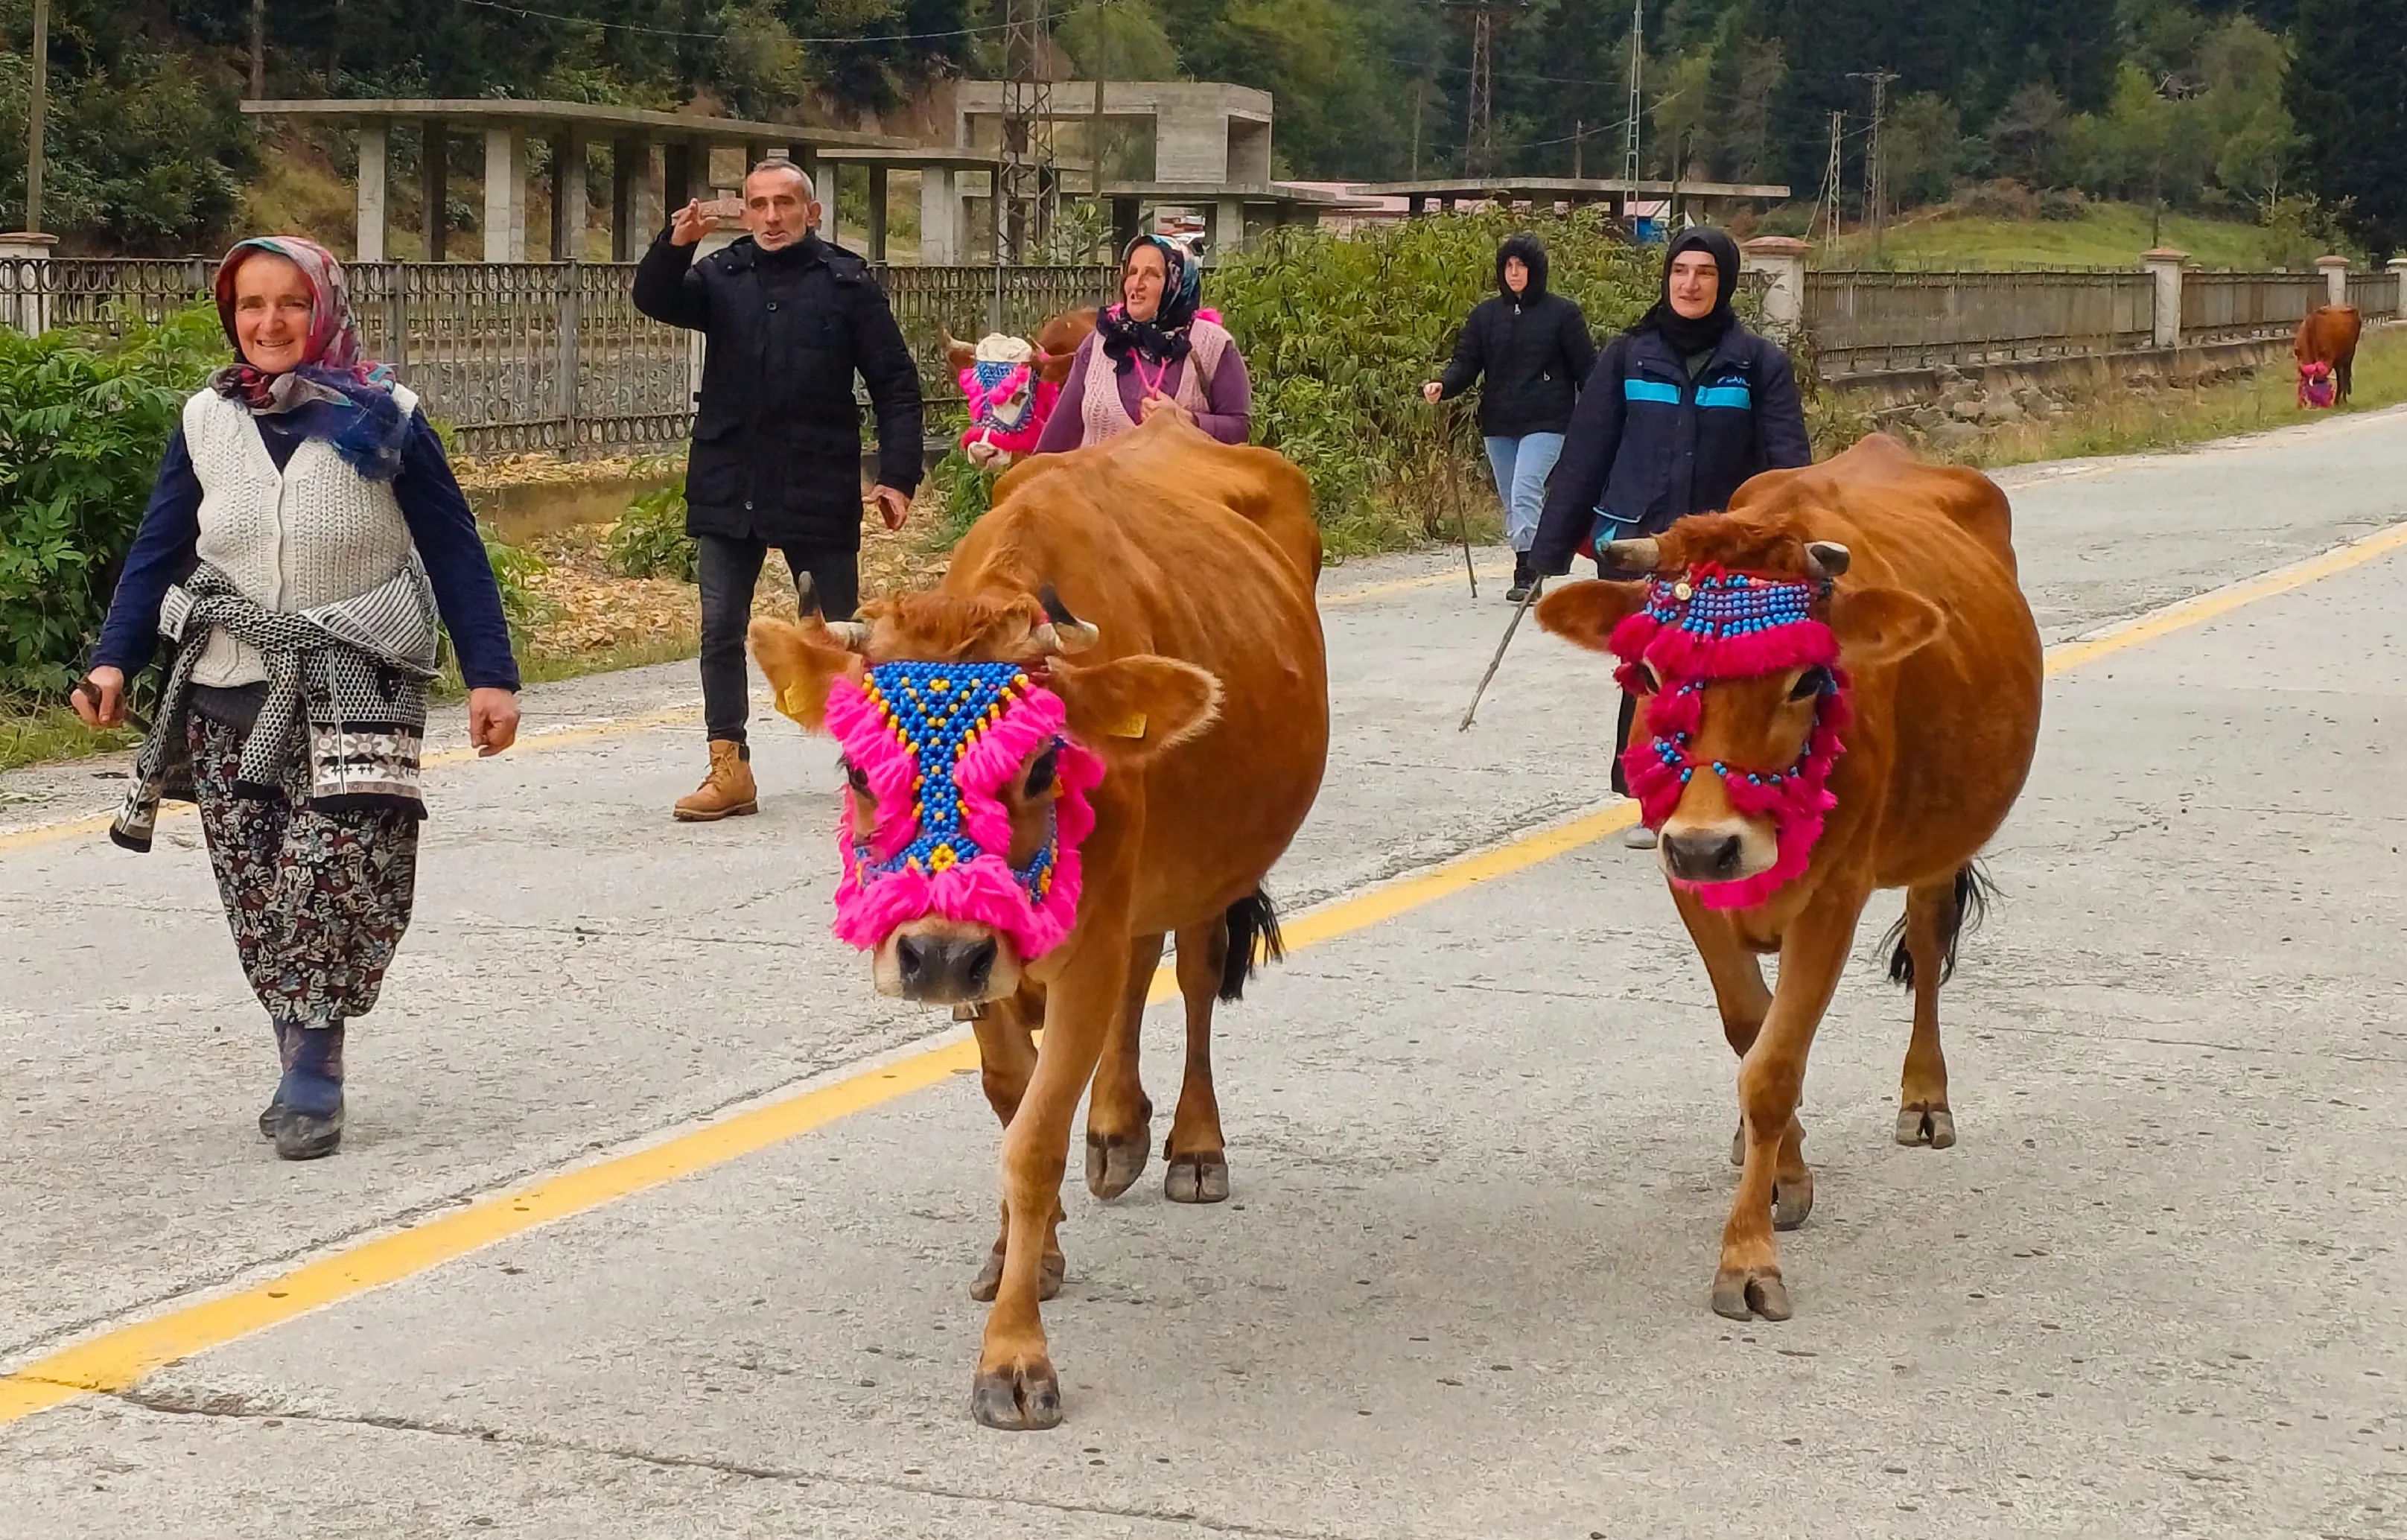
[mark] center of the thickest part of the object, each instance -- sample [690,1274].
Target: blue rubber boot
[309,1101]
[274,1112]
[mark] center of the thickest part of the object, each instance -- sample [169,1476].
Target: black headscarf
[1689,336]
[1161,340]
[1532,252]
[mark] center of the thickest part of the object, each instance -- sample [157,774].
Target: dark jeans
[728,570]
[1621,740]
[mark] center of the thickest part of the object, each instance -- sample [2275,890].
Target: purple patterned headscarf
[333,393]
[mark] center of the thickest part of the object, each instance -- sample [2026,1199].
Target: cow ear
[1131,709]
[1880,625]
[802,661]
[1585,613]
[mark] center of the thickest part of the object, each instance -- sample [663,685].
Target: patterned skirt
[317,901]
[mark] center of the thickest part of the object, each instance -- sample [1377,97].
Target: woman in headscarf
[303,536]
[1154,351]
[1681,409]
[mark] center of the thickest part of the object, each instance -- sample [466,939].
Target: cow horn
[1062,632]
[851,635]
[1630,555]
[1825,559]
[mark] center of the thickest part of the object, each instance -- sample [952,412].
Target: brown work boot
[726,792]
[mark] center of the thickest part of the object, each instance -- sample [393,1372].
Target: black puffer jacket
[1534,347]
[777,435]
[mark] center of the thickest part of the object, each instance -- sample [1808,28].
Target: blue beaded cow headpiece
[1710,625]
[934,743]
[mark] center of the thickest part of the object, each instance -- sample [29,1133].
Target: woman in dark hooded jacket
[1534,349]
[1680,411]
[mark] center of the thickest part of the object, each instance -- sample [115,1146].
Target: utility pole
[1579,143]
[1831,185]
[1875,177]
[258,48]
[1103,70]
[1637,102]
[1479,127]
[41,108]
[1421,90]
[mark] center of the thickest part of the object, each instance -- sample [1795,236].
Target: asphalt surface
[1478,1147]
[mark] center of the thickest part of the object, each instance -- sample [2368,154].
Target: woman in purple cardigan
[1153,352]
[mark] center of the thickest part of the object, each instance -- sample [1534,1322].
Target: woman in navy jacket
[1680,412]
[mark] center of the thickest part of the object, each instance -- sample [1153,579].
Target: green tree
[2347,90]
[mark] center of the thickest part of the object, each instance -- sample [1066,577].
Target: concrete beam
[505,199]
[369,211]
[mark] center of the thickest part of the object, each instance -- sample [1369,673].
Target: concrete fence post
[368,223]
[25,280]
[1783,258]
[940,216]
[2399,275]
[2335,271]
[2164,264]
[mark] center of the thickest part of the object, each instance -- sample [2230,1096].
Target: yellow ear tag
[1130,726]
[790,701]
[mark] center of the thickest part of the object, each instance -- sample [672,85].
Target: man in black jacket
[1680,410]
[775,459]
[1534,349]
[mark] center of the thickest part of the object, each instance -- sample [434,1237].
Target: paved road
[1478,1145]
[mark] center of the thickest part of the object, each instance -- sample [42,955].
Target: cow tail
[1253,937]
[1968,908]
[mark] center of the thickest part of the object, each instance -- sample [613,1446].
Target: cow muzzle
[1724,851]
[946,962]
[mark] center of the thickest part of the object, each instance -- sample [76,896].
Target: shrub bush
[649,539]
[82,424]
[1340,333]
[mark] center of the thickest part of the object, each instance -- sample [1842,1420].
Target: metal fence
[1872,322]
[2241,306]
[525,356]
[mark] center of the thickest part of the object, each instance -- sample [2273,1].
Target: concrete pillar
[1227,228]
[369,208]
[632,222]
[2399,275]
[505,163]
[2164,264]
[940,216]
[568,149]
[1415,205]
[434,188]
[25,290]
[877,213]
[1783,258]
[1127,217]
[823,183]
[2335,271]
[685,167]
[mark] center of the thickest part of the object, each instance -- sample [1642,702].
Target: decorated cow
[1012,385]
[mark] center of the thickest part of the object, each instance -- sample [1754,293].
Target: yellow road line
[118,1358]
[1406,585]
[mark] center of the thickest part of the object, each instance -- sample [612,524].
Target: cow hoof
[1926,1123]
[1792,1199]
[1198,1179]
[1742,1294]
[1114,1162]
[989,1281]
[1021,1400]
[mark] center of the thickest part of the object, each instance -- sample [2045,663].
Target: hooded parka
[1533,349]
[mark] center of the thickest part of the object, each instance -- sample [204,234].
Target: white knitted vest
[314,534]
[1102,412]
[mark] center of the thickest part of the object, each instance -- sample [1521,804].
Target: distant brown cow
[1013,385]
[1841,692]
[2328,337]
[1026,827]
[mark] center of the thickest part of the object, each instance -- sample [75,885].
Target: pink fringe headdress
[1713,625]
[936,742]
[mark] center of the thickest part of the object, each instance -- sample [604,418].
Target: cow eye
[1814,681]
[857,777]
[1040,775]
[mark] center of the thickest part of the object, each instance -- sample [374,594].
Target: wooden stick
[1528,597]
[1454,491]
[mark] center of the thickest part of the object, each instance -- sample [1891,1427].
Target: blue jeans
[1521,466]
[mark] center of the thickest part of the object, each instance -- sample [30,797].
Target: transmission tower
[1479,125]
[1875,175]
[1827,201]
[1029,186]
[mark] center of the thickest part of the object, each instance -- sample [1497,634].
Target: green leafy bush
[1339,334]
[649,539]
[965,492]
[82,425]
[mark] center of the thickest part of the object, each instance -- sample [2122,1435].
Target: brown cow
[2328,337]
[1056,343]
[1204,699]
[1013,385]
[1911,569]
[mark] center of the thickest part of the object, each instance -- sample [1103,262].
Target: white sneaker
[1638,838]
